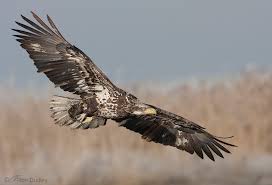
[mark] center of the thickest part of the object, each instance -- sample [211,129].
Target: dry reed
[32,146]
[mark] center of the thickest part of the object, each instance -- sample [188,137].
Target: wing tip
[18,23]
[211,158]
[223,142]
[207,144]
[33,13]
[48,17]
[24,17]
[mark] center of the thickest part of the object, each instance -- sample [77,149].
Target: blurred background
[209,61]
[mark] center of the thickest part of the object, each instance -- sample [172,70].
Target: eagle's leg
[93,122]
[90,121]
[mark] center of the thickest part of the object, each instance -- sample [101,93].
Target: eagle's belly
[107,112]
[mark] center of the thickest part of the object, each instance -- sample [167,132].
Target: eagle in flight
[99,99]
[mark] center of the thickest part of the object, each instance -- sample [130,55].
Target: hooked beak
[144,110]
[150,111]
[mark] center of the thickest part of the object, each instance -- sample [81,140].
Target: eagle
[96,99]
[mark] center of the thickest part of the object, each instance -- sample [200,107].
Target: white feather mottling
[37,47]
[181,140]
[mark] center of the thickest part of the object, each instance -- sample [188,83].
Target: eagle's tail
[67,111]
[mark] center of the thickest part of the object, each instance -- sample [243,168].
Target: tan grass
[31,145]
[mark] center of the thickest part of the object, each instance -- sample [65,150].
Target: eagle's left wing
[170,129]
[64,64]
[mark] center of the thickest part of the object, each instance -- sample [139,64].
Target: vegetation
[31,146]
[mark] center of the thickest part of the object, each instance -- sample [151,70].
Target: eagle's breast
[107,102]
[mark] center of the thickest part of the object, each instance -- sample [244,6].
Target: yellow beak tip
[150,111]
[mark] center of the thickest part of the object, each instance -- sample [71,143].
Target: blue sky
[148,40]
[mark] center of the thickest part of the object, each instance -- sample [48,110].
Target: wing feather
[64,64]
[54,27]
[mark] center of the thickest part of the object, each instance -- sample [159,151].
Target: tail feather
[59,107]
[67,111]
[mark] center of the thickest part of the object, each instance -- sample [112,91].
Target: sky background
[147,40]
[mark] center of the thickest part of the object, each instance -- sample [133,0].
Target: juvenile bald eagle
[99,99]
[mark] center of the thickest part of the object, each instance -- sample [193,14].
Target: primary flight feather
[99,99]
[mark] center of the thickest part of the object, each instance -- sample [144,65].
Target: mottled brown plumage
[98,99]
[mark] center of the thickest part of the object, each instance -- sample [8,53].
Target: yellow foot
[87,120]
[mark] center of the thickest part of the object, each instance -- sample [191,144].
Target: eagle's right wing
[64,64]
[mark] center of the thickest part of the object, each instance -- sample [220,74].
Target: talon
[82,117]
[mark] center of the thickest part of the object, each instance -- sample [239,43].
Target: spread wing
[169,129]
[64,64]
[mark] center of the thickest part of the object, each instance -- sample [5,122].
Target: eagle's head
[143,109]
[135,107]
